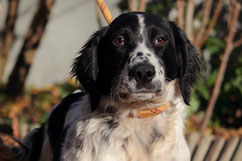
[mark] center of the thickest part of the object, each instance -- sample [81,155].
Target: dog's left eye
[158,41]
[119,41]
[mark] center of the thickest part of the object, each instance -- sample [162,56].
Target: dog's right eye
[159,41]
[119,41]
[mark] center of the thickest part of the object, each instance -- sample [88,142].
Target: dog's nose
[142,73]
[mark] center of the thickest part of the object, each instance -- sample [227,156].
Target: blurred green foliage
[161,9]
[34,105]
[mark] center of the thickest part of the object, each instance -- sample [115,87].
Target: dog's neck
[150,112]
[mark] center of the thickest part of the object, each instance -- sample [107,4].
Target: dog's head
[135,57]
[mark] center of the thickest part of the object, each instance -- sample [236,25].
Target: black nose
[142,73]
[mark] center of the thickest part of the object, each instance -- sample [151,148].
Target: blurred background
[40,38]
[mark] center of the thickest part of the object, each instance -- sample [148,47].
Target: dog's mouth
[139,96]
[129,92]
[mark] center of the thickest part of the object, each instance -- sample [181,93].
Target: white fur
[133,133]
[141,23]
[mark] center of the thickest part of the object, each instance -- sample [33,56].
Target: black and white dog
[137,63]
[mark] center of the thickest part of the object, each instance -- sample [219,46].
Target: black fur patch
[37,140]
[155,135]
[59,145]
[112,123]
[110,110]
[187,60]
[57,118]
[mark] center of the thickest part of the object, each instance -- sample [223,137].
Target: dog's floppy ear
[189,63]
[85,66]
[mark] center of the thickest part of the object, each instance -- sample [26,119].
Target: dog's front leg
[164,150]
[182,152]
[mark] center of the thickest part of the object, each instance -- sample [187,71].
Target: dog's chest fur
[118,137]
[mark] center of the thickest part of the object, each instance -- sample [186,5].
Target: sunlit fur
[95,125]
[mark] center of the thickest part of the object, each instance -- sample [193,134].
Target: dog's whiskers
[168,79]
[115,86]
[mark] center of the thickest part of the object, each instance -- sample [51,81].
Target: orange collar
[150,112]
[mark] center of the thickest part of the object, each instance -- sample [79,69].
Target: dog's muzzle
[139,84]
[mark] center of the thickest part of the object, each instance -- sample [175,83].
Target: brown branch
[180,12]
[212,24]
[15,124]
[98,16]
[236,7]
[230,16]
[9,148]
[189,19]
[132,5]
[5,152]
[8,35]
[237,43]
[142,5]
[206,12]
[0,8]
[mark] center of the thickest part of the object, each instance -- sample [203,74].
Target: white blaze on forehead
[141,23]
[141,47]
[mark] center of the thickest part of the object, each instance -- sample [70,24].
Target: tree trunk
[5,152]
[132,5]
[8,36]
[15,85]
[189,19]
[142,5]
[207,5]
[180,13]
[214,19]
